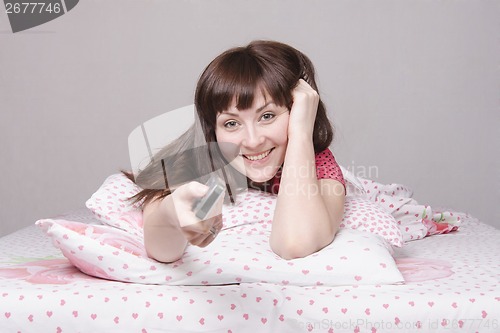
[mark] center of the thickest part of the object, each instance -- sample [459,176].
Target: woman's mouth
[259,156]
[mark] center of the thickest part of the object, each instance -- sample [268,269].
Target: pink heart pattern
[114,254]
[49,293]
[247,228]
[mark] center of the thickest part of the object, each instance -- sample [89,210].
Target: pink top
[326,168]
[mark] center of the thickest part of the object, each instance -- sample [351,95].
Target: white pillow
[363,214]
[109,203]
[396,199]
[238,254]
[360,213]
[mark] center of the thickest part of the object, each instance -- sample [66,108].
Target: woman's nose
[253,137]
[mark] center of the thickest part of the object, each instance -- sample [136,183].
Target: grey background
[412,87]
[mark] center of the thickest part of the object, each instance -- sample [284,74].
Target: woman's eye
[230,124]
[268,116]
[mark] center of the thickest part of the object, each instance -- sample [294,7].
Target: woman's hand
[304,109]
[196,232]
[170,224]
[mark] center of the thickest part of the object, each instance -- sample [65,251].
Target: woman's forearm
[163,238]
[301,224]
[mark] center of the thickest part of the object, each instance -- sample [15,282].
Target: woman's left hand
[304,109]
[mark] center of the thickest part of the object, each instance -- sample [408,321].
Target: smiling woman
[261,134]
[261,100]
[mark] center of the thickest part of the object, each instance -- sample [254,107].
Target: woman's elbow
[163,257]
[298,248]
[290,253]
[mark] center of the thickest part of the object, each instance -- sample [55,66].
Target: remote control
[203,206]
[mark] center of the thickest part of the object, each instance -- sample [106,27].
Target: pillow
[397,200]
[363,214]
[414,221]
[110,202]
[238,254]
[360,214]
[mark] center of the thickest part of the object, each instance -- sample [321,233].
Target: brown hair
[235,75]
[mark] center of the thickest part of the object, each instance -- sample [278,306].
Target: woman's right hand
[196,232]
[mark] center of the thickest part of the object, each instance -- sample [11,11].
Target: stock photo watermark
[363,171]
[364,325]
[24,15]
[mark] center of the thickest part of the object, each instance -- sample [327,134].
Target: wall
[413,88]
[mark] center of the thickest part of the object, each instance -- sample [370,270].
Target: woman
[262,99]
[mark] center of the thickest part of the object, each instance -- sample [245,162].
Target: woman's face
[260,132]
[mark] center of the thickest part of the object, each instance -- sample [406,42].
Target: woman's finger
[203,232]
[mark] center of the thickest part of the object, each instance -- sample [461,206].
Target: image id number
[32,8]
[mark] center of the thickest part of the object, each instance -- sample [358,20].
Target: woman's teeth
[258,157]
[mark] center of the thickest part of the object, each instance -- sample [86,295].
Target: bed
[451,284]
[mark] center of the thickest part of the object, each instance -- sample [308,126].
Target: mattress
[40,291]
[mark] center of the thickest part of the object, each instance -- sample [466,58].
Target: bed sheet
[41,292]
